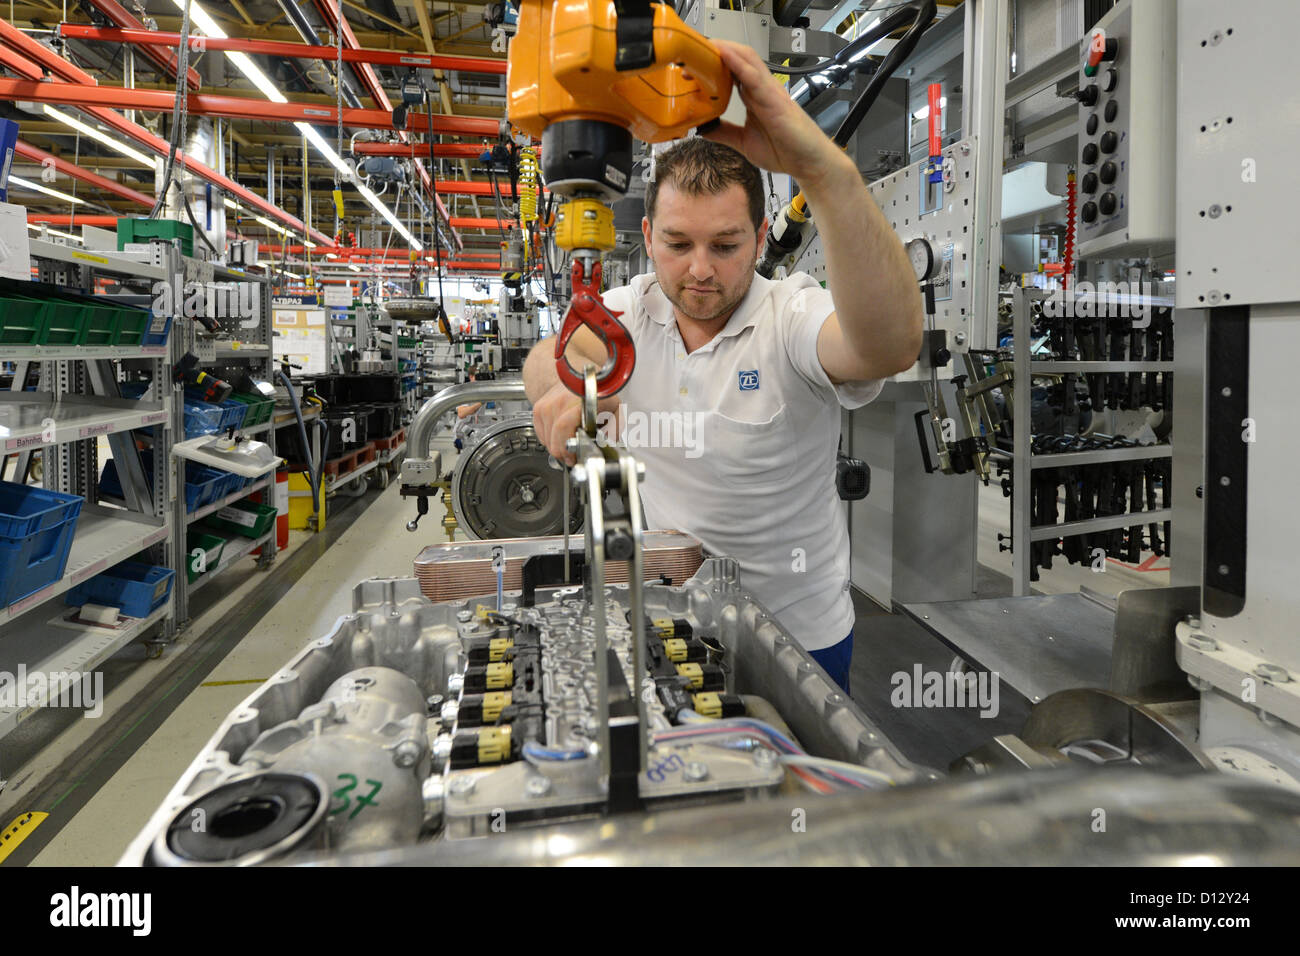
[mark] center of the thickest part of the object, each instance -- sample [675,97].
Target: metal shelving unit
[58,647]
[241,347]
[236,550]
[200,513]
[77,402]
[1023,462]
[24,417]
[104,536]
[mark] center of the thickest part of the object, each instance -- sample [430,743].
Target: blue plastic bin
[201,418]
[137,588]
[160,327]
[36,529]
[229,413]
[210,482]
[231,483]
[233,414]
[202,485]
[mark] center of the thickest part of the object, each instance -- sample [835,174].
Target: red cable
[1068,258]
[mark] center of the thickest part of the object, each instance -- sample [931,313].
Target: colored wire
[700,726]
[534,751]
[853,770]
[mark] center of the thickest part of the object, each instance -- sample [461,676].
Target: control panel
[1126,132]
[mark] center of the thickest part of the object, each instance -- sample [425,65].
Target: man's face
[703,249]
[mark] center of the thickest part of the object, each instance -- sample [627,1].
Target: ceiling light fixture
[99,136]
[37,187]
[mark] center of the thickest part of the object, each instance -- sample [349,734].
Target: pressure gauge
[923,259]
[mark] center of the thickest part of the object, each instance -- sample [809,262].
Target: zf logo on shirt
[749,380]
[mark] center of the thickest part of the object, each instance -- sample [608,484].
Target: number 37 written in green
[368,800]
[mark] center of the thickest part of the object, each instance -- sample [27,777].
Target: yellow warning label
[87,257]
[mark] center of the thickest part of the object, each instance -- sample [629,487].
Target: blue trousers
[835,660]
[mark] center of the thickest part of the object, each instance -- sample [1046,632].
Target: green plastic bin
[131,325]
[142,230]
[212,546]
[101,324]
[65,322]
[259,407]
[243,518]
[22,320]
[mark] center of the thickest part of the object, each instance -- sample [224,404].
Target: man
[757,370]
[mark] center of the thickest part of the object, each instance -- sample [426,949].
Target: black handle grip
[925,445]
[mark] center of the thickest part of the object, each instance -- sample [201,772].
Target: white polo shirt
[750,467]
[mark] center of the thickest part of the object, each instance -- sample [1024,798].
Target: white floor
[377,545]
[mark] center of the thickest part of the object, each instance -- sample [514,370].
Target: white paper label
[238,516]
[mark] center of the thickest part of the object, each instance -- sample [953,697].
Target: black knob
[1109,171]
[1089,211]
[1089,153]
[1107,203]
[1110,80]
[1088,95]
[1109,141]
[1112,49]
[1112,110]
[941,357]
[1091,125]
[1089,183]
[618,544]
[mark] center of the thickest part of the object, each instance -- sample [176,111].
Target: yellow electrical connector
[494,703]
[493,744]
[708,704]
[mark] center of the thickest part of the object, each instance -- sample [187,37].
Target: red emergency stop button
[1100,48]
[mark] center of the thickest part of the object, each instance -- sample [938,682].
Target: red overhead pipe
[27,69]
[334,19]
[447,263]
[74,76]
[267,47]
[445,150]
[28,151]
[344,252]
[482,223]
[165,60]
[231,107]
[302,51]
[71,222]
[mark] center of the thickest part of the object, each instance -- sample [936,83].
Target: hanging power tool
[585,77]
[207,387]
[789,227]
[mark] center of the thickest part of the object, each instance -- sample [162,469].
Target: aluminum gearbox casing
[364,719]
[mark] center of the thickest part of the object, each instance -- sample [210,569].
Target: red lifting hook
[586,308]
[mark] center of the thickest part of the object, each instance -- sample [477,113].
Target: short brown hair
[701,167]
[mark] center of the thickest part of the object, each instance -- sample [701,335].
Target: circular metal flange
[247,821]
[413,309]
[504,486]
